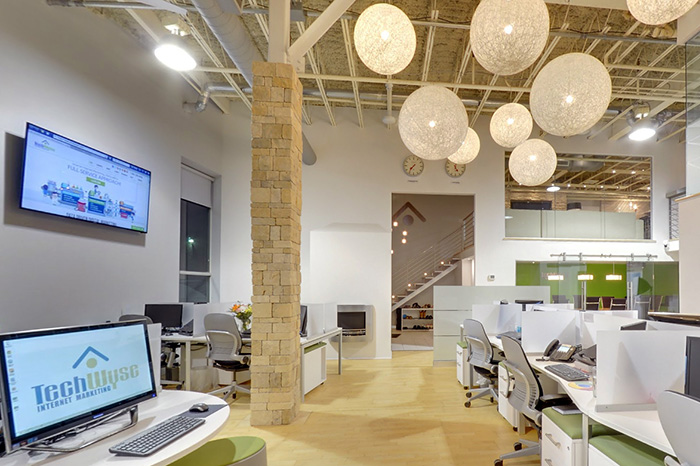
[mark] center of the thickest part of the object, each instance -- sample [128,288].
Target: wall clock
[413,165]
[455,170]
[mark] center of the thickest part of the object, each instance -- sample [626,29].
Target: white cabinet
[558,449]
[314,367]
[505,385]
[463,372]
[596,458]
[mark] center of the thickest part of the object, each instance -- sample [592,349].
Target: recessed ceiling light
[508,217]
[553,189]
[642,133]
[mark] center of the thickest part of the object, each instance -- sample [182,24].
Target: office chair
[527,397]
[224,341]
[679,416]
[592,303]
[136,317]
[481,357]
[606,301]
[618,304]
[559,299]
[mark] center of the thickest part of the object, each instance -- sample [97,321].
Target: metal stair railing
[434,259]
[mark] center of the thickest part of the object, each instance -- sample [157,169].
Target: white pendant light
[659,11]
[433,123]
[533,162]
[511,125]
[570,94]
[585,277]
[469,149]
[507,36]
[385,39]
[172,52]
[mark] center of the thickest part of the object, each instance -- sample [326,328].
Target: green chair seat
[222,452]
[627,451]
[571,424]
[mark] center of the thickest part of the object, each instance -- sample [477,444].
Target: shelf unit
[409,323]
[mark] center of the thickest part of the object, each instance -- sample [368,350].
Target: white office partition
[634,367]
[453,304]
[553,307]
[594,322]
[539,328]
[510,318]
[487,314]
[632,314]
[655,325]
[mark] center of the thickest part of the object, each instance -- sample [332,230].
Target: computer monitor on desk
[171,316]
[55,380]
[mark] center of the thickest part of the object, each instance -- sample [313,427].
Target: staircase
[431,265]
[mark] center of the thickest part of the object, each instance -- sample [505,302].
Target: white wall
[689,255]
[358,170]
[80,75]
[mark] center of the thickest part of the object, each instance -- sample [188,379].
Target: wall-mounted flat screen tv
[65,178]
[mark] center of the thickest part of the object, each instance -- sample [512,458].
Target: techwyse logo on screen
[95,376]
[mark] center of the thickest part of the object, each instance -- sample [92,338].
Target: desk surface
[641,425]
[167,404]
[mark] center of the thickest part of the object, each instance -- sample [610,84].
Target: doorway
[432,245]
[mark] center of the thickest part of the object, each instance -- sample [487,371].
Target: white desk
[167,404]
[640,425]
[187,355]
[312,340]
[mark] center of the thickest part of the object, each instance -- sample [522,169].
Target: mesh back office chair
[618,304]
[527,396]
[224,341]
[592,303]
[481,357]
[680,415]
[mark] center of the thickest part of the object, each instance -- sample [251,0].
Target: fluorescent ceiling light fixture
[584,277]
[552,277]
[508,217]
[613,277]
[553,189]
[172,52]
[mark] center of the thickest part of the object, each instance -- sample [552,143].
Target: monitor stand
[45,446]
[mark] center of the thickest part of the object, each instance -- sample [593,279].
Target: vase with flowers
[244,313]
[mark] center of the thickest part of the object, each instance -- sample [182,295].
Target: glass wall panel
[646,286]
[588,197]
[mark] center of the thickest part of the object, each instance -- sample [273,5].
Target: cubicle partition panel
[453,304]
[539,328]
[633,368]
[594,322]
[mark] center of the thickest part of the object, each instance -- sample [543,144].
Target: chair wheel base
[468,394]
[491,399]
[517,446]
[515,429]
[467,404]
[498,462]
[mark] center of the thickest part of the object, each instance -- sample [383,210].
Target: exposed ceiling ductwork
[235,40]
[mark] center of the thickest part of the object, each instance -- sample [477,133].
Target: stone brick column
[275,197]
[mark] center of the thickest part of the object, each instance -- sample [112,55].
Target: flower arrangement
[244,313]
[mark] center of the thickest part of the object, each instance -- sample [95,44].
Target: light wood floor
[384,412]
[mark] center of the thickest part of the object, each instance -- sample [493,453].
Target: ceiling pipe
[234,38]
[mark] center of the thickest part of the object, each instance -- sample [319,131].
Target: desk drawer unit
[463,374]
[558,449]
[504,388]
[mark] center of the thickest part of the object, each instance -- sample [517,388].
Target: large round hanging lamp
[433,122]
[511,125]
[469,149]
[570,94]
[385,39]
[533,162]
[659,11]
[507,36]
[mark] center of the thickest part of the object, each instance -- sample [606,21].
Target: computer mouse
[199,408]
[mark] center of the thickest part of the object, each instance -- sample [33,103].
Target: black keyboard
[154,438]
[567,372]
